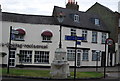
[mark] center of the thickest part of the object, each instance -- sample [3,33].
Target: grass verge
[46,73]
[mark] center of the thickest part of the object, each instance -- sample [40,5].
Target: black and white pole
[9,50]
[75,57]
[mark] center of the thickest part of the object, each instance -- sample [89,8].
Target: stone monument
[60,65]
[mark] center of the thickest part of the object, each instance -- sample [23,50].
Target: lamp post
[60,66]
[60,17]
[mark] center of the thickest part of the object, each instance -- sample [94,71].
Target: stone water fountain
[60,65]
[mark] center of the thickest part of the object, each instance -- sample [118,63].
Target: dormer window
[76,18]
[97,22]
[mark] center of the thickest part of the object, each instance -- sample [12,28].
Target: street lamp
[60,66]
[60,17]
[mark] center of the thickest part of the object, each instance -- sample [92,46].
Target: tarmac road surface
[21,79]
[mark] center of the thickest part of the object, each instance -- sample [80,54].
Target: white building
[38,37]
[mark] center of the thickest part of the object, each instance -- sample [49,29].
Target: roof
[98,4]
[85,19]
[24,18]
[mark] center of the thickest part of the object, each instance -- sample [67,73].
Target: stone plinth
[60,69]
[60,65]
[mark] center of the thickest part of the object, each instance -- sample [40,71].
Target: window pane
[26,56]
[41,57]
[97,22]
[94,37]
[85,55]
[84,34]
[46,38]
[104,37]
[95,55]
[73,32]
[71,54]
[76,18]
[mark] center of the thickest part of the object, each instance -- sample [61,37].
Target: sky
[45,7]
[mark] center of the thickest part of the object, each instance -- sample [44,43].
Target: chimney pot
[72,4]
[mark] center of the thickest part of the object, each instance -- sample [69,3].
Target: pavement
[111,72]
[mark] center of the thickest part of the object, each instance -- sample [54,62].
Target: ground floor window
[95,55]
[26,56]
[41,57]
[70,54]
[85,55]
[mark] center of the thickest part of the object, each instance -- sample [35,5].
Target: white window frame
[41,57]
[104,36]
[70,54]
[46,38]
[84,34]
[85,56]
[94,37]
[97,21]
[26,56]
[73,32]
[17,37]
[76,18]
[95,55]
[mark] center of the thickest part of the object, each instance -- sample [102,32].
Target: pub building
[35,38]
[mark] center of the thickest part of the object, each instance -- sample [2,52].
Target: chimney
[72,5]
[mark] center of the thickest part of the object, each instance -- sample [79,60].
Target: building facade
[35,38]
[111,19]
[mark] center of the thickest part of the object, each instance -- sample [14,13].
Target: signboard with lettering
[74,38]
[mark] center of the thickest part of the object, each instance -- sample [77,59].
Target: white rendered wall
[33,36]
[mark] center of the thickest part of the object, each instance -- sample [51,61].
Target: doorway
[12,61]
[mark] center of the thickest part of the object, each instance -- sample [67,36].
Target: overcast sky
[45,7]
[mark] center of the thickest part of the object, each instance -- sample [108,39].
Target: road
[20,79]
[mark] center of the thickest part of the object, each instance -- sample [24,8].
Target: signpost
[75,38]
[9,50]
[109,42]
[12,32]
